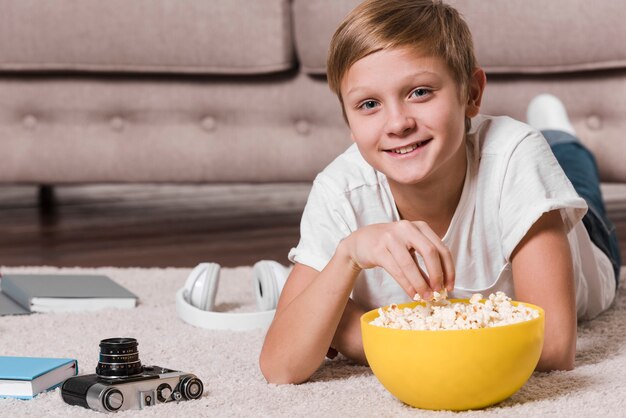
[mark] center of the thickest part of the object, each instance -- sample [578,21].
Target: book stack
[25,377]
[26,293]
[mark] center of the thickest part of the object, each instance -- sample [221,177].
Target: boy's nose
[400,123]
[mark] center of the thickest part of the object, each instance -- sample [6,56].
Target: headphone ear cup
[211,283]
[269,278]
[201,286]
[266,297]
[190,283]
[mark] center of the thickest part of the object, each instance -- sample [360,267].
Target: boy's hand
[392,246]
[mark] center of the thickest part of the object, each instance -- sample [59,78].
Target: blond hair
[429,26]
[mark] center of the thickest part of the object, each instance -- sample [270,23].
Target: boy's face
[406,115]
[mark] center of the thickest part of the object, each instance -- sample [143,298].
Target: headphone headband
[221,320]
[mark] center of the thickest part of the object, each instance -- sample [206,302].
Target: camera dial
[112,399]
[191,387]
[164,391]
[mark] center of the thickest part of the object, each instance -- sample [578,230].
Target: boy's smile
[406,116]
[402,151]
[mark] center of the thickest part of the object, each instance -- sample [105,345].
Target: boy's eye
[368,105]
[421,92]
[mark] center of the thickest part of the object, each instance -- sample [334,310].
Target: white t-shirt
[512,179]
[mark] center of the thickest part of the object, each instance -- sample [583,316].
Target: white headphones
[195,302]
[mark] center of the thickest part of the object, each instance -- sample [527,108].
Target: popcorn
[437,297]
[440,314]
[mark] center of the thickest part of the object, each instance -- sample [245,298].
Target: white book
[66,293]
[78,304]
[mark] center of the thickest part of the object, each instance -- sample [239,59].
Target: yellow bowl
[453,369]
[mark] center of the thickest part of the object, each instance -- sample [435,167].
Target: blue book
[25,377]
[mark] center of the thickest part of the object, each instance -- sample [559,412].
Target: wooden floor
[151,225]
[164,225]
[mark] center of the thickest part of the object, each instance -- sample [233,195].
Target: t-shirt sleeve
[325,222]
[534,183]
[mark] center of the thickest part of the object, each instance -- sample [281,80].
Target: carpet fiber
[227,362]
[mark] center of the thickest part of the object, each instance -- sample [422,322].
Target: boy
[431,196]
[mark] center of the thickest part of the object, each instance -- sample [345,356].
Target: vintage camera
[121,382]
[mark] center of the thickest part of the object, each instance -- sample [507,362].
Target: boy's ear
[477,84]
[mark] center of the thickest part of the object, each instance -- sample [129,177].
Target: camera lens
[119,358]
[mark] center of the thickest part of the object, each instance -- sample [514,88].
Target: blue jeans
[580,167]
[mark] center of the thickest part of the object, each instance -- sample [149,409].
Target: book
[65,293]
[25,377]
[9,307]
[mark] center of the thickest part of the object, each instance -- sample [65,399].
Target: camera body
[153,386]
[121,382]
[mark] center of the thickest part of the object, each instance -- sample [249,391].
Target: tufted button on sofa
[235,91]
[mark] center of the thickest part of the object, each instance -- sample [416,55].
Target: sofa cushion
[595,103]
[194,36]
[538,36]
[56,129]
[513,36]
[315,21]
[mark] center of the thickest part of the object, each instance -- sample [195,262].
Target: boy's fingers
[390,265]
[446,262]
[449,272]
[410,269]
[430,254]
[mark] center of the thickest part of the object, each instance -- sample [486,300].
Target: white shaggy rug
[227,362]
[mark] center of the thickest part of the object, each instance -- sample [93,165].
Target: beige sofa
[234,90]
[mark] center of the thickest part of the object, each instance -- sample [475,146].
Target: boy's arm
[348,339]
[309,311]
[314,310]
[543,275]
